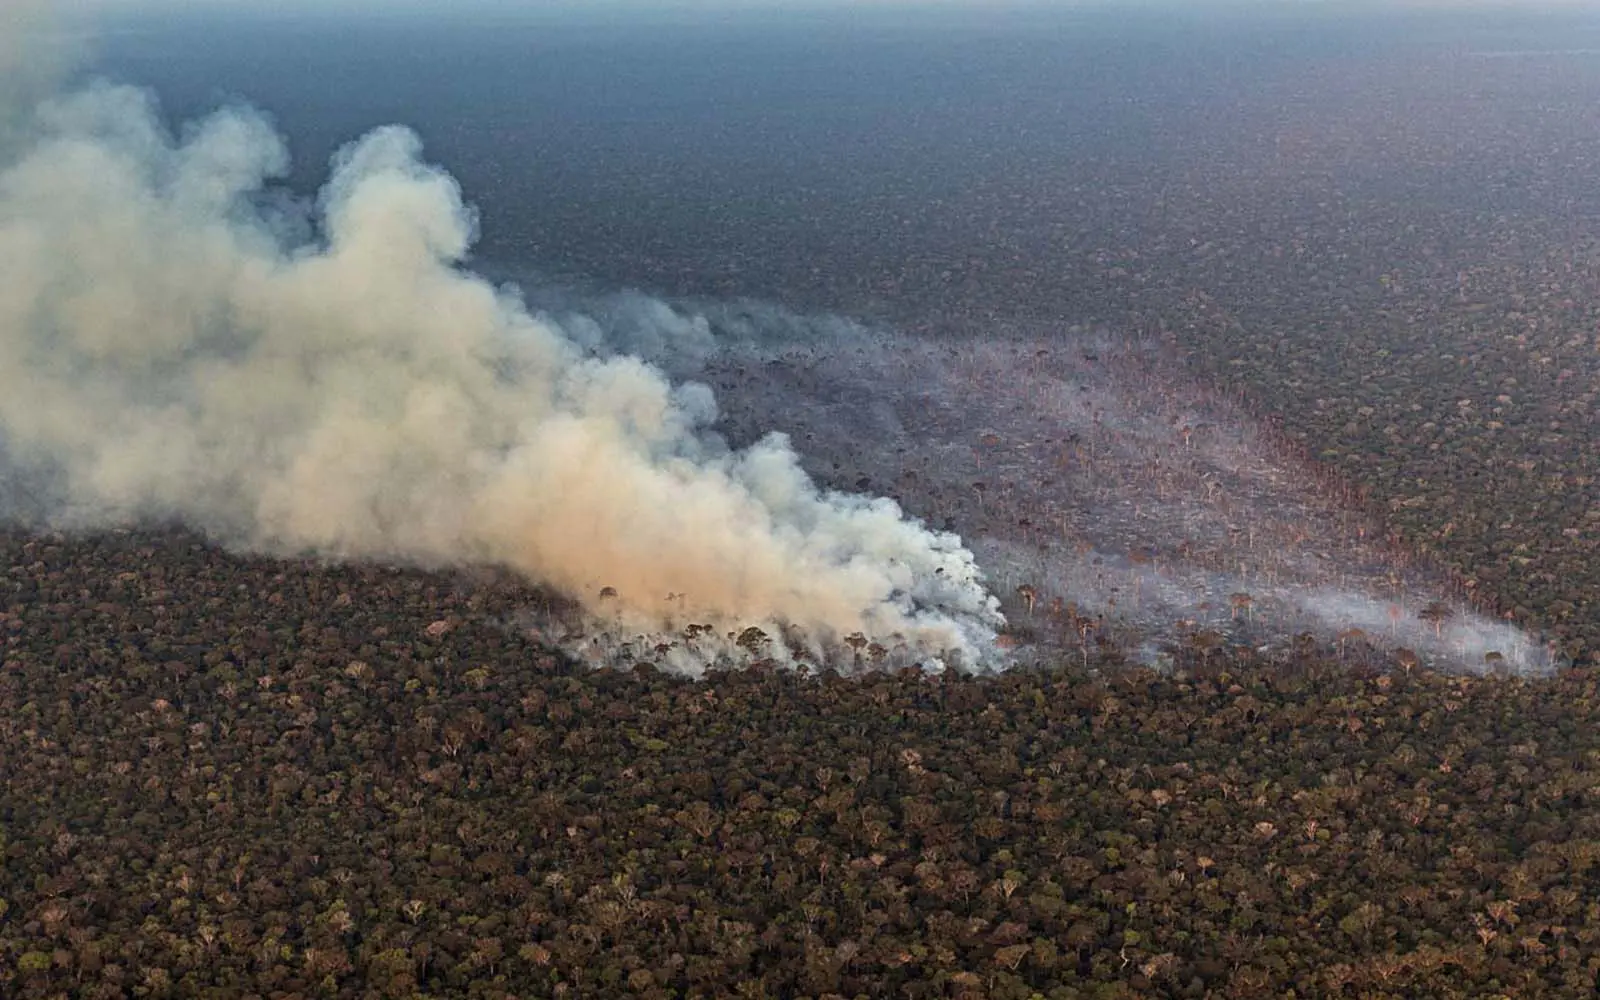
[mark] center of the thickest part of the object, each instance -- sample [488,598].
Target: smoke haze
[1083,465]
[37,49]
[165,353]
[180,339]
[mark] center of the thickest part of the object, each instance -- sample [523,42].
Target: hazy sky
[568,7]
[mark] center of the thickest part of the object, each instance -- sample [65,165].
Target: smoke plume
[37,48]
[169,351]
[1106,494]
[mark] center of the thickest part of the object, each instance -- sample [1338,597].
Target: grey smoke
[166,351]
[1089,467]
[39,45]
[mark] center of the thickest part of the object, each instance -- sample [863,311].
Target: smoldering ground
[1107,496]
[179,341]
[167,352]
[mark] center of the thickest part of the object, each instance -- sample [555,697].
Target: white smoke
[165,353]
[1088,468]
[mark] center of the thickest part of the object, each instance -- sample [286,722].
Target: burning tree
[1436,613]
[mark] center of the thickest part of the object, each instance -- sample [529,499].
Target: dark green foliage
[230,776]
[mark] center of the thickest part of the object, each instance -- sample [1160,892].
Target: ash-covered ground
[1108,496]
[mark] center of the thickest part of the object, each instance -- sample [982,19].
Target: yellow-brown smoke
[165,353]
